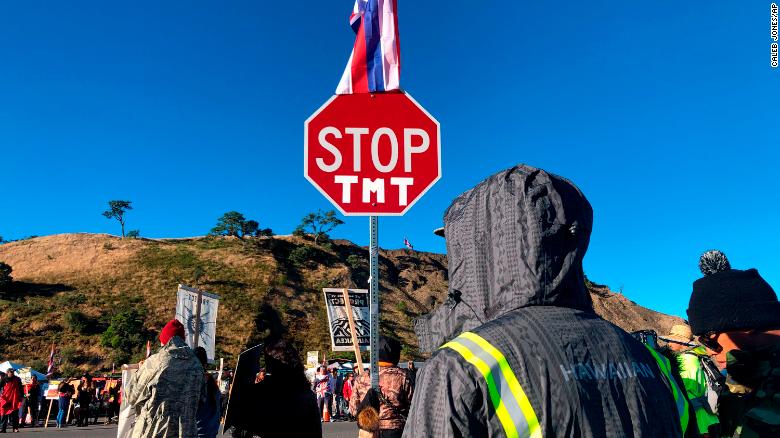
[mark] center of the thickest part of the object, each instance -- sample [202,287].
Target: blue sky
[665,114]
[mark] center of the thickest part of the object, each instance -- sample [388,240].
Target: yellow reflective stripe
[679,398]
[514,386]
[495,397]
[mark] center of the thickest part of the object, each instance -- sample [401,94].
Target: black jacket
[515,245]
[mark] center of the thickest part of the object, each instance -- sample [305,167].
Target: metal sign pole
[374,297]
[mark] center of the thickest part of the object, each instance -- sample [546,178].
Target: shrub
[409,353]
[133,234]
[354,261]
[69,354]
[301,255]
[5,276]
[125,334]
[402,307]
[70,300]
[78,322]
[68,370]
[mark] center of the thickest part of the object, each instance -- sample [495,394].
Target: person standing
[689,357]
[32,393]
[736,315]
[412,371]
[395,389]
[347,394]
[11,401]
[64,392]
[112,404]
[209,406]
[166,389]
[519,350]
[322,388]
[84,399]
[338,396]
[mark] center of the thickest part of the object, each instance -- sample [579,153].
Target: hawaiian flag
[50,368]
[407,243]
[375,62]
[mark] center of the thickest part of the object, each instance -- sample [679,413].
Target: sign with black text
[340,334]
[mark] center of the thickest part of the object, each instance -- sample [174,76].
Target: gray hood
[515,240]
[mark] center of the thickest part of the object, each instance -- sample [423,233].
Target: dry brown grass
[97,274]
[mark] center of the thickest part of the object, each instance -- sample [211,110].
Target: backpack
[716,382]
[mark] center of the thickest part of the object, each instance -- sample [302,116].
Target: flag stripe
[374,64]
[373,48]
[359,74]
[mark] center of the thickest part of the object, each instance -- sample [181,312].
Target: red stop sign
[372,154]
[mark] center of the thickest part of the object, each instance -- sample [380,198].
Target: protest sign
[338,320]
[197,311]
[52,392]
[312,359]
[240,404]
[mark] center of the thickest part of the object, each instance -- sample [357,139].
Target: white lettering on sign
[411,137]
[393,150]
[415,141]
[402,184]
[346,182]
[330,148]
[374,186]
[356,133]
[409,149]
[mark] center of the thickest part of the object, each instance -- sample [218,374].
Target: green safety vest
[512,406]
[695,383]
[679,397]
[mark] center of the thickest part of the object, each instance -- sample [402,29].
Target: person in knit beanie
[736,316]
[166,389]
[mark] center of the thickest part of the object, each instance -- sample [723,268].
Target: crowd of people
[22,405]
[518,349]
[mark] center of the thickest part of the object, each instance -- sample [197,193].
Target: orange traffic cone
[325,413]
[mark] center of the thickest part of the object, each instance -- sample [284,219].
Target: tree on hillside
[235,224]
[319,224]
[250,228]
[230,224]
[5,276]
[117,210]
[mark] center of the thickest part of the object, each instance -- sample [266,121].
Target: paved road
[330,430]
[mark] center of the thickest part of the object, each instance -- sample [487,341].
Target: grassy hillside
[67,287]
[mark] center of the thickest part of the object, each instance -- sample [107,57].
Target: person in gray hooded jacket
[519,349]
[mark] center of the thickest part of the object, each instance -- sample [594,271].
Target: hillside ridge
[98,275]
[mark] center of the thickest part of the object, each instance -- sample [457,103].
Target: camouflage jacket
[752,408]
[165,392]
[396,386]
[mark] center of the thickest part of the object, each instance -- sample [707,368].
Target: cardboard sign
[340,335]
